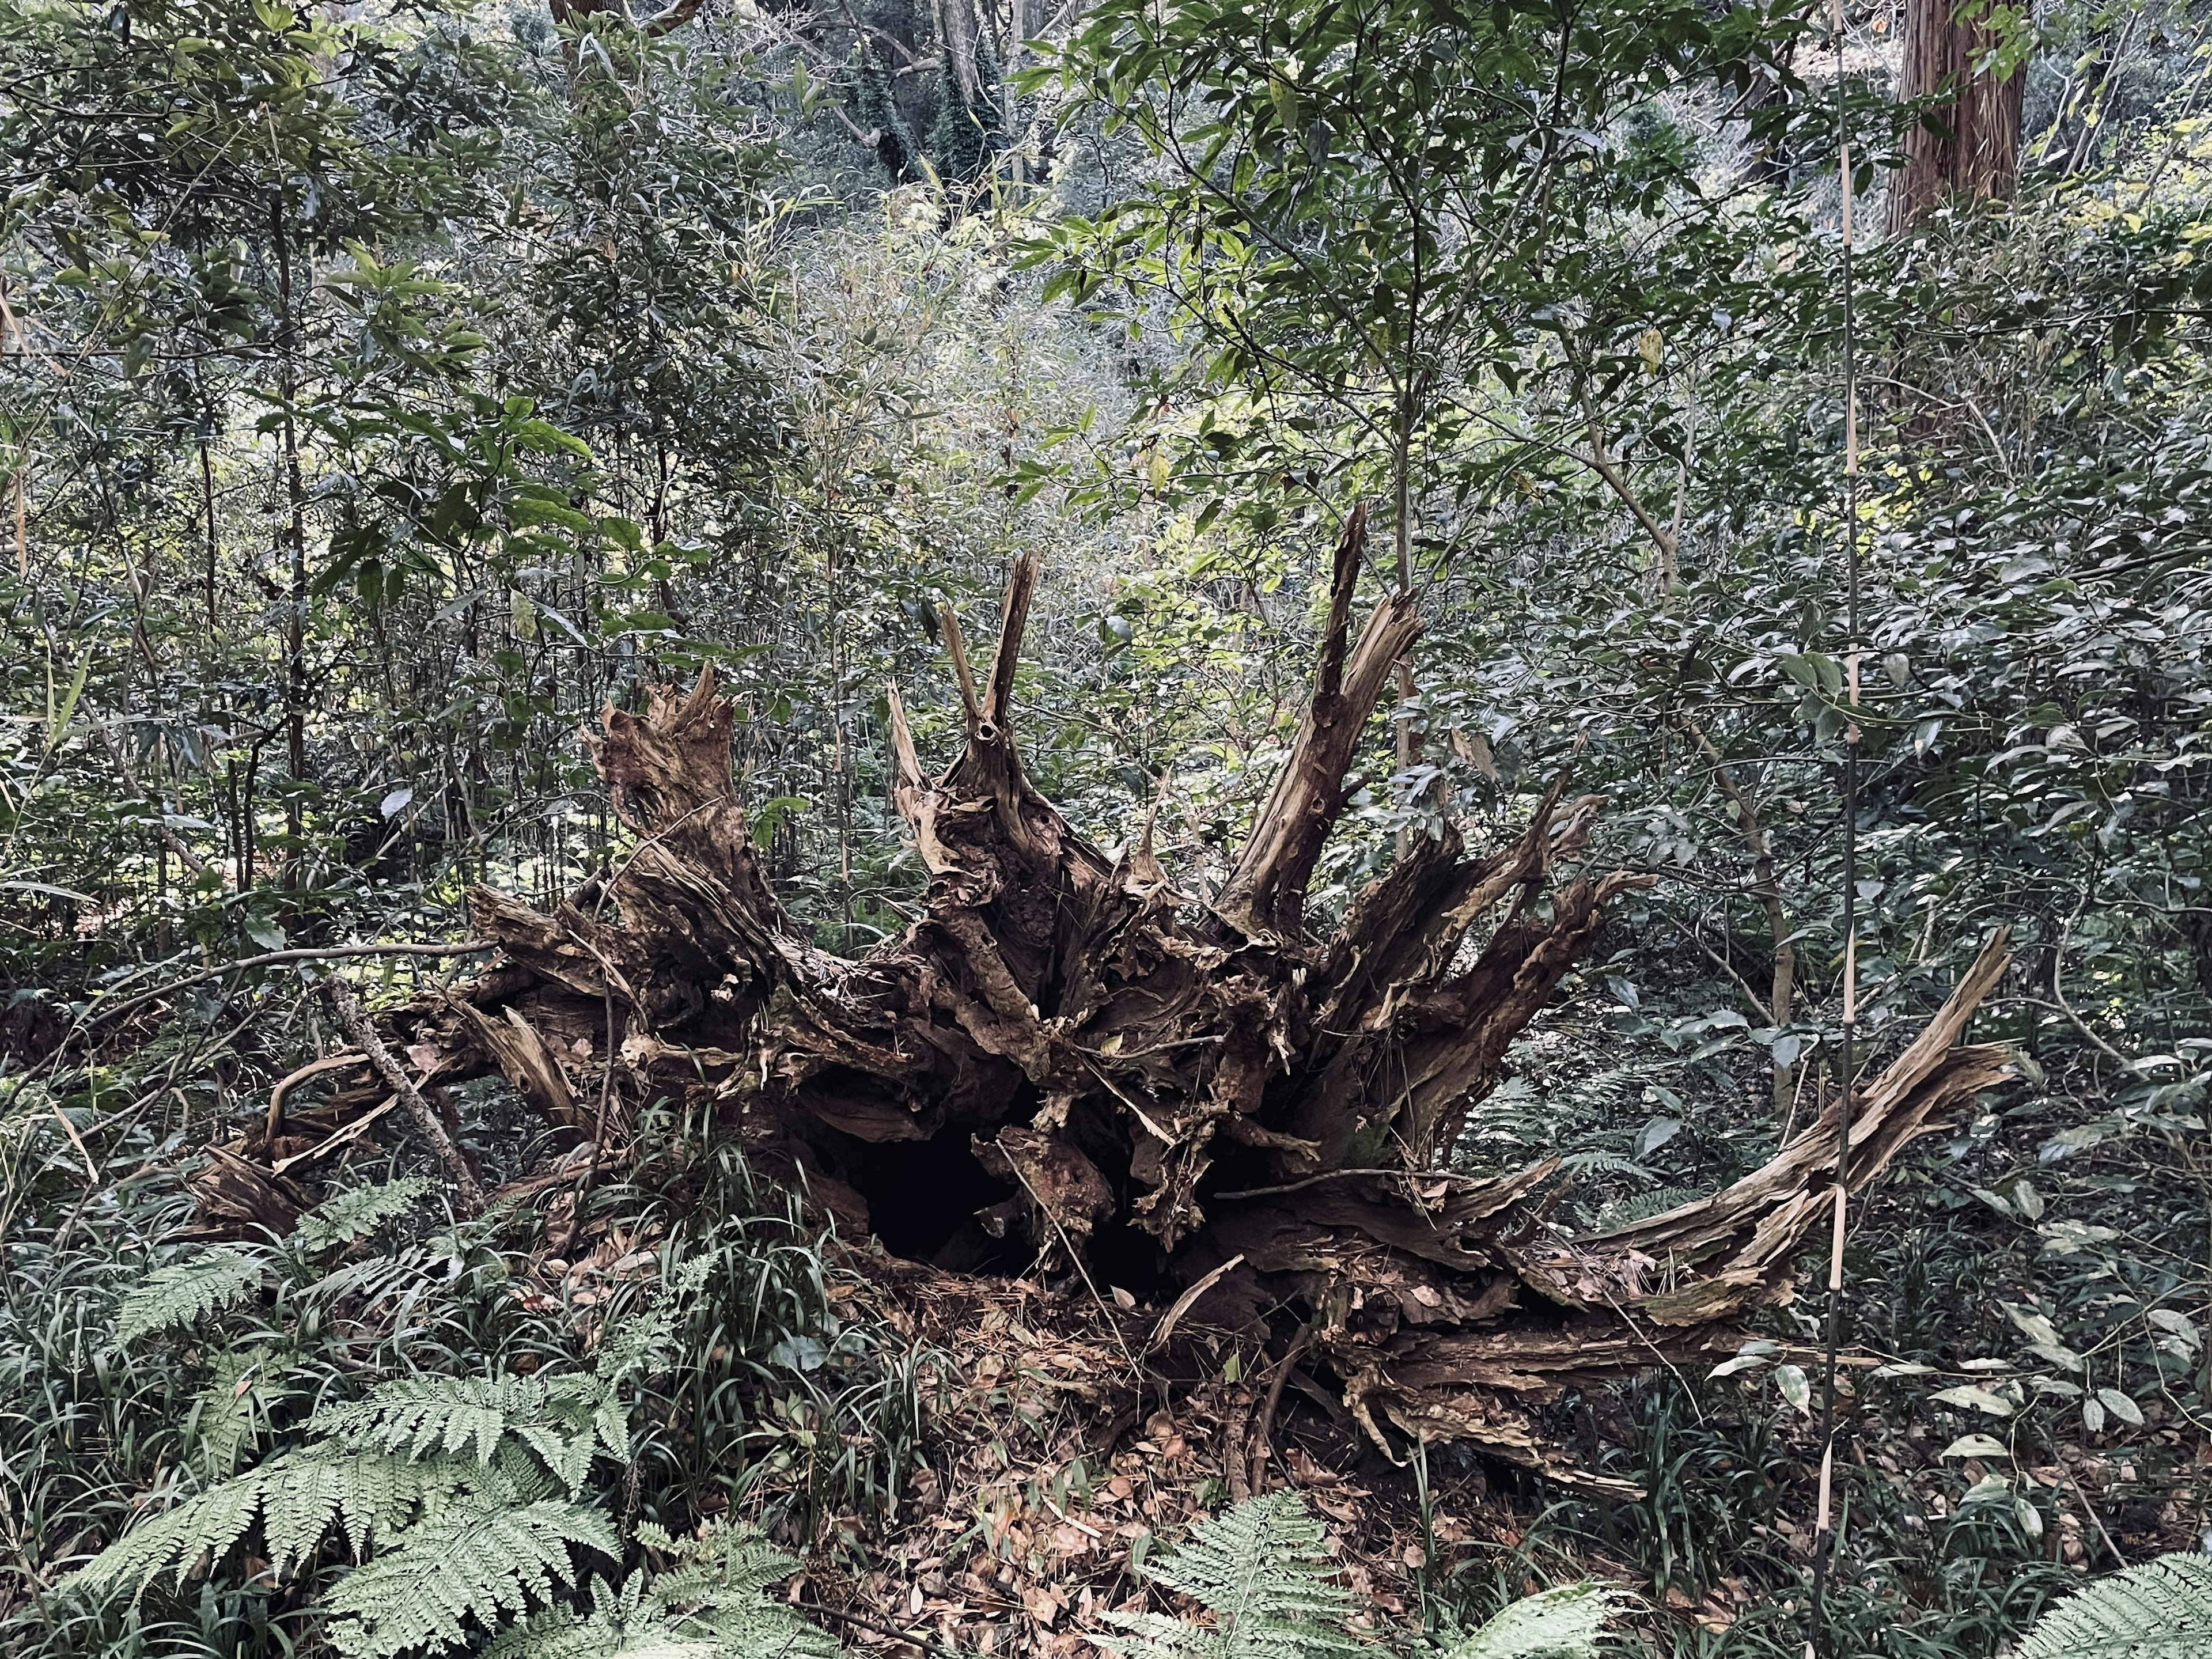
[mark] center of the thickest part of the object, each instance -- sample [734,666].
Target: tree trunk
[1065,1057]
[1973,149]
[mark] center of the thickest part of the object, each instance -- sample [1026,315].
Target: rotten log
[1064,1056]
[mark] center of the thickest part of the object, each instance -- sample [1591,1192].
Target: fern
[229,1411]
[710,1604]
[1616,1212]
[297,1496]
[185,1292]
[358,1212]
[564,1419]
[1260,1570]
[458,1495]
[1558,1623]
[561,1633]
[469,1563]
[717,1588]
[2161,1609]
[1603,1164]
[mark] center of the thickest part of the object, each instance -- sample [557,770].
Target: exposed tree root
[1067,1057]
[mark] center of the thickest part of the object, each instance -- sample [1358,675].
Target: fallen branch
[343,1005]
[293,1079]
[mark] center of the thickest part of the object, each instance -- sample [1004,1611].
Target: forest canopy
[1264,825]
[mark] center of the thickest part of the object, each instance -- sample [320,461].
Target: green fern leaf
[711,1604]
[559,1632]
[569,1456]
[753,1628]
[427,1415]
[612,1422]
[1642,1206]
[307,1494]
[185,1292]
[1262,1568]
[717,1590]
[2161,1609]
[230,1411]
[201,1527]
[468,1564]
[1558,1623]
[358,1212]
[297,1496]
[1603,1164]
[1159,1637]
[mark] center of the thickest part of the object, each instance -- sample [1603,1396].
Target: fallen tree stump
[1067,1063]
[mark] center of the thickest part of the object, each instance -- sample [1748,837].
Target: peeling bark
[1069,1057]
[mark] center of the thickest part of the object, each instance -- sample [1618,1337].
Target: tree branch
[359,1027]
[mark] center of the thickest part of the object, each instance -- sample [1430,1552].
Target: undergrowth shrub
[393,1432]
[1262,1572]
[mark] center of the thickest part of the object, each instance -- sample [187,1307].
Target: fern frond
[467,1564]
[723,1562]
[611,1626]
[558,1418]
[297,1496]
[636,1343]
[753,1628]
[365,1497]
[185,1292]
[2160,1610]
[1158,1637]
[202,1526]
[1642,1206]
[1558,1623]
[1263,1570]
[561,1634]
[1603,1164]
[229,1411]
[356,1211]
[710,1605]
[717,1591]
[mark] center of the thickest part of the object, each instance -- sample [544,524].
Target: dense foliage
[385,390]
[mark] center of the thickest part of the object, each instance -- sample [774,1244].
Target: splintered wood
[1067,1067]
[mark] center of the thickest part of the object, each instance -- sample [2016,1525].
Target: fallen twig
[349,1010]
[1263,1425]
[881,1628]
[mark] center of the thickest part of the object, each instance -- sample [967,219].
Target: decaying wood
[291,1081]
[1070,1057]
[347,1009]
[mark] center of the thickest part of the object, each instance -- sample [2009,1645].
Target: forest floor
[1069,1434]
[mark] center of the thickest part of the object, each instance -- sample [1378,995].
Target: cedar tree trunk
[1972,147]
